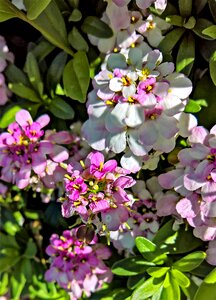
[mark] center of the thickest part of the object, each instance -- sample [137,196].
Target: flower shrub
[107,149]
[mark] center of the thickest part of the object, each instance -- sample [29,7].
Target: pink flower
[76,266]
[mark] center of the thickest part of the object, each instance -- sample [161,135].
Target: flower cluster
[194,179]
[131,27]
[137,106]
[77,266]
[22,151]
[5,57]
[96,192]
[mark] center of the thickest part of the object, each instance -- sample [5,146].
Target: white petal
[135,115]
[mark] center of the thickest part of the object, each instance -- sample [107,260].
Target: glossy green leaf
[56,69]
[76,40]
[157,272]
[185,7]
[33,72]
[76,77]
[7,10]
[207,289]
[7,241]
[191,290]
[35,7]
[210,31]
[186,55]
[200,26]
[172,291]
[164,232]
[61,109]
[96,27]
[212,67]
[180,278]
[170,40]
[24,92]
[145,247]
[192,107]
[9,116]
[147,289]
[130,266]
[190,261]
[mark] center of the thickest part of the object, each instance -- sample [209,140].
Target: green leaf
[31,249]
[9,116]
[172,291]
[60,109]
[55,70]
[8,241]
[190,23]
[41,50]
[4,284]
[32,69]
[96,27]
[170,40]
[181,279]
[52,26]
[75,16]
[200,26]
[76,40]
[192,107]
[175,20]
[212,67]
[135,281]
[207,289]
[17,282]
[130,266]
[185,7]
[199,5]
[210,31]
[164,232]
[15,75]
[190,261]
[186,55]
[35,7]
[76,77]
[24,92]
[6,262]
[7,10]
[157,272]
[212,6]
[147,289]
[145,247]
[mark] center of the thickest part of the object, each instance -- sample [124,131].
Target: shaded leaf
[35,7]
[207,289]
[76,40]
[75,16]
[200,26]
[24,92]
[186,55]
[185,7]
[76,77]
[210,31]
[32,69]
[170,40]
[7,10]
[60,109]
[94,26]
[212,67]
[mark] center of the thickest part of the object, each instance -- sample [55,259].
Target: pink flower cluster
[76,266]
[194,178]
[96,192]
[5,57]
[23,153]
